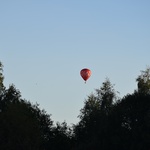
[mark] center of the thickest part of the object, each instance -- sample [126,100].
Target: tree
[102,100]
[92,127]
[23,125]
[62,136]
[143,81]
[129,123]
[106,95]
[1,78]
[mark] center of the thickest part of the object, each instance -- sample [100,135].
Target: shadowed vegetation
[106,121]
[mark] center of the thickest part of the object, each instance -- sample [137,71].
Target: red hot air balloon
[85,74]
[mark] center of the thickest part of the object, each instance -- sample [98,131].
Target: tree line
[105,121]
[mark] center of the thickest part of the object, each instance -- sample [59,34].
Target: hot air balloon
[85,74]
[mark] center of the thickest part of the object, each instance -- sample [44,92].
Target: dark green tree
[102,100]
[23,125]
[129,123]
[92,127]
[62,136]
[1,78]
[106,95]
[143,81]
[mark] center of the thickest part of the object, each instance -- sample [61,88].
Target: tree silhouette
[106,122]
[129,123]
[143,81]
[123,124]
[24,126]
[1,78]
[92,127]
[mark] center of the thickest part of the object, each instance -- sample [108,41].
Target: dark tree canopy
[1,77]
[106,122]
[25,126]
[94,116]
[143,81]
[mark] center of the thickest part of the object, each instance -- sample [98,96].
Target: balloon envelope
[85,74]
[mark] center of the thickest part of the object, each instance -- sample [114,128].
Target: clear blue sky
[45,43]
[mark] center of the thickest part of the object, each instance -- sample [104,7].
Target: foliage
[126,127]
[101,101]
[1,77]
[105,121]
[144,81]
[123,124]
[23,125]
[130,125]
[62,136]
[94,116]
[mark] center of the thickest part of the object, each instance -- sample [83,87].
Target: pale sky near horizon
[45,43]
